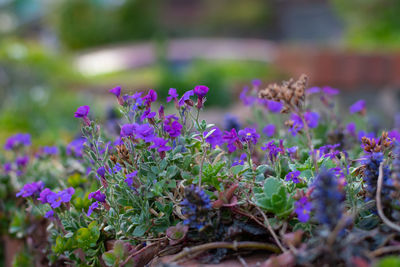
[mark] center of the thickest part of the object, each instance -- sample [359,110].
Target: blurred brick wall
[349,70]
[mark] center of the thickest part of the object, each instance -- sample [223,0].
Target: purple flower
[274,107]
[147,114]
[269,130]
[75,148]
[150,97]
[92,207]
[16,140]
[97,195]
[30,189]
[351,128]
[83,112]
[273,150]
[172,126]
[214,139]
[311,119]
[50,150]
[56,199]
[160,144]
[256,82]
[101,171]
[49,214]
[201,90]
[145,132]
[117,168]
[293,176]
[129,177]
[303,209]
[247,100]
[292,151]
[232,140]
[7,167]
[43,195]
[186,98]
[329,151]
[249,135]
[241,160]
[22,161]
[116,91]
[297,124]
[138,104]
[161,113]
[329,90]
[128,129]
[358,106]
[172,95]
[313,90]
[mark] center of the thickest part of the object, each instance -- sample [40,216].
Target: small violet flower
[97,195]
[49,214]
[303,209]
[185,99]
[17,140]
[293,176]
[92,207]
[269,130]
[215,138]
[358,107]
[200,91]
[241,160]
[249,135]
[30,189]
[129,177]
[83,112]
[117,92]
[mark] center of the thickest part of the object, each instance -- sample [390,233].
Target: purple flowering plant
[173,179]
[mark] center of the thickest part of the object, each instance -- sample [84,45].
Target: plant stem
[230,245]
[266,221]
[309,140]
[379,202]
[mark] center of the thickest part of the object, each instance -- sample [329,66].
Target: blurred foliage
[83,24]
[34,93]
[372,24]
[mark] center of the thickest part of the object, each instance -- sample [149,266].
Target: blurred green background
[41,42]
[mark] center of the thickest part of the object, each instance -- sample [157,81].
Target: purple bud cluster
[196,207]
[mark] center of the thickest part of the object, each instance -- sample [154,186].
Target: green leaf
[271,186]
[140,230]
[109,258]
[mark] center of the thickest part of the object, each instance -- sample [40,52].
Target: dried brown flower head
[290,93]
[373,145]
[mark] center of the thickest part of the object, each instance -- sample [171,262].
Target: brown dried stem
[379,202]
[187,252]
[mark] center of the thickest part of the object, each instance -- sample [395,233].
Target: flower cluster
[196,207]
[371,172]
[327,199]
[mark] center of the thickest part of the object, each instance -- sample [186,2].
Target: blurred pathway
[132,56]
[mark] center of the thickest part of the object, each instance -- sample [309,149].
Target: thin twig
[309,140]
[201,164]
[242,261]
[271,230]
[379,202]
[384,250]
[137,253]
[230,245]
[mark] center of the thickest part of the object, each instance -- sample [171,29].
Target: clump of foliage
[296,183]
